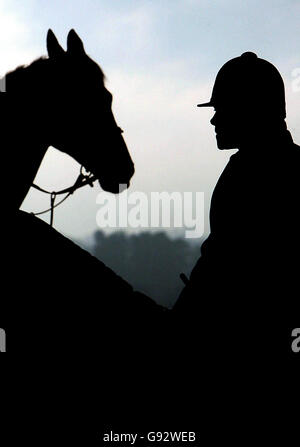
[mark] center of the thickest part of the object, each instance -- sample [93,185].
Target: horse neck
[22,151]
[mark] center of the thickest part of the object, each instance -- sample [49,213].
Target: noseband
[82,180]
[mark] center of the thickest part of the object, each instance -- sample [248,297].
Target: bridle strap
[82,180]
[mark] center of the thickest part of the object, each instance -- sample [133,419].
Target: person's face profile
[228,124]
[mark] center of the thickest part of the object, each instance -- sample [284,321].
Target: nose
[213,120]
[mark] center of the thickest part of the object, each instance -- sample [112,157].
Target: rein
[82,180]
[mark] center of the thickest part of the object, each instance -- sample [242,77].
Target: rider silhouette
[241,294]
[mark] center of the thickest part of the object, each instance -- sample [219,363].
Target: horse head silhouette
[64,97]
[61,101]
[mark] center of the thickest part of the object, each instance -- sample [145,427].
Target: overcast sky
[160,58]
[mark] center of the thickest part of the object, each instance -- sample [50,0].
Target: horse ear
[53,47]
[74,44]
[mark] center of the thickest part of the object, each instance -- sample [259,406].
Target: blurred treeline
[150,262]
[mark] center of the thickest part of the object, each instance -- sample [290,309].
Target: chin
[225,143]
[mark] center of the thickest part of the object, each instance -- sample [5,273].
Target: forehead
[230,106]
[85,67]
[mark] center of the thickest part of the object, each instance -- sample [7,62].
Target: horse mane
[21,76]
[33,64]
[18,75]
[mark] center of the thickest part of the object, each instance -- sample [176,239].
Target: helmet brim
[205,104]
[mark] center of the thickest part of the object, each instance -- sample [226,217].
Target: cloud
[16,46]
[133,29]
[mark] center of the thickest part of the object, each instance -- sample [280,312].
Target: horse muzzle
[115,187]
